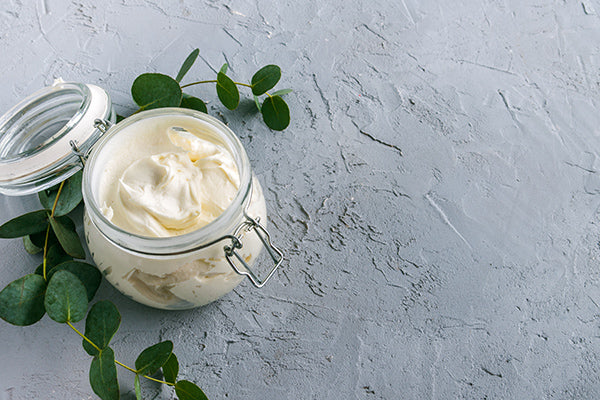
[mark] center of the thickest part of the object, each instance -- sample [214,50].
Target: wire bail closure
[102,125]
[248,225]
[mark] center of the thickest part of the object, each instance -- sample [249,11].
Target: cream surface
[171,190]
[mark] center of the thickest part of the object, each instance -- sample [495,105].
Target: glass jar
[176,272]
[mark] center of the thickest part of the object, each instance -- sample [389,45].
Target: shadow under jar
[169,272]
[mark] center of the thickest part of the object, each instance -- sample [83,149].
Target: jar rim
[172,244]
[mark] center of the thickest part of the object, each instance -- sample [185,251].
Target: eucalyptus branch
[154,90]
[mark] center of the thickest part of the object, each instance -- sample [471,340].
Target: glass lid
[37,135]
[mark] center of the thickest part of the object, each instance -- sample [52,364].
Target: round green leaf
[227,91]
[276,113]
[101,324]
[224,68]
[31,247]
[155,91]
[66,298]
[154,357]
[187,64]
[22,301]
[25,224]
[266,78]
[70,195]
[171,369]
[88,274]
[187,390]
[64,229]
[193,103]
[103,375]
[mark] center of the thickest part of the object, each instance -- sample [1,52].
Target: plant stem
[125,366]
[48,229]
[45,252]
[214,81]
[145,376]
[56,199]
[158,380]
[197,83]
[83,336]
[242,84]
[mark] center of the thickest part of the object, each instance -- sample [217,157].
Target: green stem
[145,376]
[158,380]
[56,199]
[45,252]
[198,83]
[125,366]
[243,84]
[48,230]
[214,81]
[83,336]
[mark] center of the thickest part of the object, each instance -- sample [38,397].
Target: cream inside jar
[159,186]
[165,180]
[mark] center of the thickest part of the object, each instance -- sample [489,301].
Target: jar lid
[37,136]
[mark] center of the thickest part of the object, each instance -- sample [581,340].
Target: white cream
[155,181]
[172,192]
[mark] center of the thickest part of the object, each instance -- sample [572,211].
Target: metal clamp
[248,225]
[102,125]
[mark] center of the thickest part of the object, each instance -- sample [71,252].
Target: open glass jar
[60,129]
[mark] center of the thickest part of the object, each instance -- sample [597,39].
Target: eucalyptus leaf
[266,78]
[193,103]
[276,113]
[154,357]
[281,92]
[103,375]
[70,195]
[224,68]
[187,390]
[171,369]
[55,255]
[187,64]
[64,229]
[120,118]
[66,298]
[155,91]
[31,247]
[138,389]
[24,225]
[227,91]
[101,324]
[22,301]
[88,274]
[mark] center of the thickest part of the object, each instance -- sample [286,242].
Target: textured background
[436,193]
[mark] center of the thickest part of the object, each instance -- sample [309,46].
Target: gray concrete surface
[436,193]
